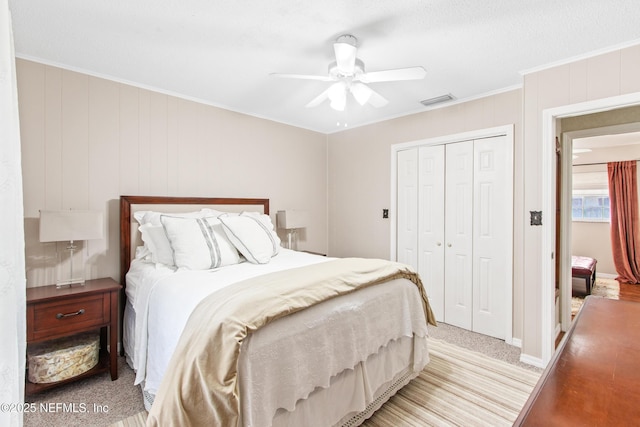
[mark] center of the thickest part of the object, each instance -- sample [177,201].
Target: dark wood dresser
[594,377]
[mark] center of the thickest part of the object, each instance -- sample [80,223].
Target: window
[590,207]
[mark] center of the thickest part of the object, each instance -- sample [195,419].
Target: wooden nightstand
[55,313]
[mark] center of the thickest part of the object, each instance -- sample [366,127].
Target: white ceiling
[607,141]
[222,52]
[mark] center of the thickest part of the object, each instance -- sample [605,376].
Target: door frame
[506,130]
[566,222]
[549,118]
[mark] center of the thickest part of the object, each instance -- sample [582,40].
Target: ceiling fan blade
[411,73]
[304,77]
[345,51]
[377,100]
[318,99]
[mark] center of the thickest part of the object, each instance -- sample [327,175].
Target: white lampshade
[290,219]
[70,225]
[361,92]
[338,96]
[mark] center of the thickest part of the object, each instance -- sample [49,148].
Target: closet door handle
[438,243]
[449,244]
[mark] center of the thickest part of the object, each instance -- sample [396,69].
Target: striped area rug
[458,387]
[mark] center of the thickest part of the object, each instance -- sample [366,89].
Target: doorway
[549,132]
[588,151]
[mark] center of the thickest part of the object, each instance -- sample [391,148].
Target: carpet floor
[98,401]
[459,387]
[106,402]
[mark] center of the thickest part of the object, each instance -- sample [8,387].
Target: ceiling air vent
[437,100]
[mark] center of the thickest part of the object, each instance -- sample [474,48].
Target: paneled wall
[602,76]
[360,176]
[88,140]
[359,167]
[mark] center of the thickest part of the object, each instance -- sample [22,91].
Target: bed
[244,332]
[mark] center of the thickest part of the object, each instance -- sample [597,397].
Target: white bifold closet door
[430,225]
[453,206]
[407,223]
[492,234]
[458,230]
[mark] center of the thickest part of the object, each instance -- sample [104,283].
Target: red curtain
[623,194]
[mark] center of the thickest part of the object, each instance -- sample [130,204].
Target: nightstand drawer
[49,320]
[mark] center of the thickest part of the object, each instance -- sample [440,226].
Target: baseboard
[516,342]
[530,360]
[605,276]
[558,330]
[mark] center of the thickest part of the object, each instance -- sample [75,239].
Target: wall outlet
[385,213]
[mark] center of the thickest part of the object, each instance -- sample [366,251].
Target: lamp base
[293,239]
[69,283]
[79,279]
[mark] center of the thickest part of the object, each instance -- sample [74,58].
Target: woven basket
[63,358]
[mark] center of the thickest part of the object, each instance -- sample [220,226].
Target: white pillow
[153,217]
[143,253]
[253,235]
[156,241]
[199,243]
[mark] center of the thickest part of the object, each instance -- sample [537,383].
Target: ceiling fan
[348,74]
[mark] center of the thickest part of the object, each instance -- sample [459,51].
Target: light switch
[536,217]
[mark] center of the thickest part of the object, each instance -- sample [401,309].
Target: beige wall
[87,140]
[599,77]
[359,167]
[593,239]
[360,175]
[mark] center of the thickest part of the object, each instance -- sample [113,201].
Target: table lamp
[292,220]
[71,226]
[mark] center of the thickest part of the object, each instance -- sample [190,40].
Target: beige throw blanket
[200,386]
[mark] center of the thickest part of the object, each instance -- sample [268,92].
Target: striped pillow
[199,243]
[253,235]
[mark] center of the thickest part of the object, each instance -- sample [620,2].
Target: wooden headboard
[129,235]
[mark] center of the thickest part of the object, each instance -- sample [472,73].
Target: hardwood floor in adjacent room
[629,292]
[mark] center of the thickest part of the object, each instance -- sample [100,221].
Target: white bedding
[302,351]
[163,297]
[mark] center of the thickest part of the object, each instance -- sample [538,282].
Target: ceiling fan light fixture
[361,92]
[337,94]
[349,77]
